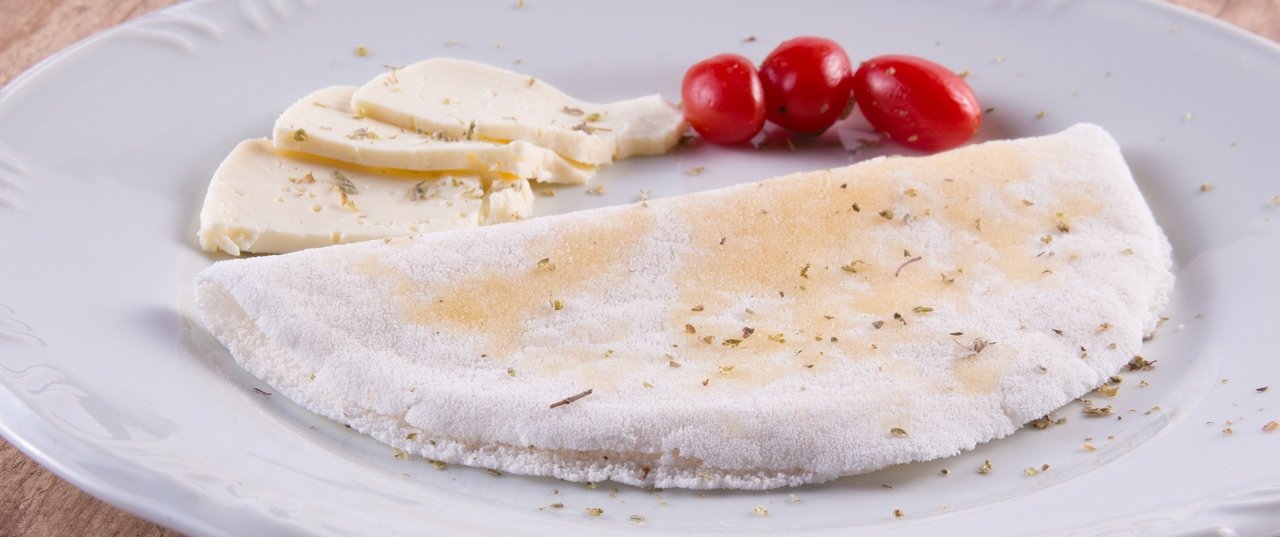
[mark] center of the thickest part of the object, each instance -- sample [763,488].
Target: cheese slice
[763,335]
[324,124]
[262,200]
[464,99]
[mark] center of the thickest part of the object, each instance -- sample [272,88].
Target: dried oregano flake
[1097,411]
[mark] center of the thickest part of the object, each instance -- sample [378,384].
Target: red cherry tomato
[806,84]
[916,102]
[723,100]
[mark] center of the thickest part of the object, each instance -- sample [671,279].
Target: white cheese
[266,201]
[507,201]
[477,101]
[324,124]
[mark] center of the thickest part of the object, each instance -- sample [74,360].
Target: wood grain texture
[31,30]
[36,503]
[1261,17]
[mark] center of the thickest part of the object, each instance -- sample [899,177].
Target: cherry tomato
[806,84]
[723,100]
[916,102]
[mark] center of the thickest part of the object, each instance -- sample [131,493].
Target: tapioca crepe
[769,334]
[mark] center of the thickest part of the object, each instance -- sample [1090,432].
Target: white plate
[105,152]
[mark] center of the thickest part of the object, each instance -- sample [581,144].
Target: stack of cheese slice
[438,145]
[768,334]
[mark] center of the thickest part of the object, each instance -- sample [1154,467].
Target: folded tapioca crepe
[768,334]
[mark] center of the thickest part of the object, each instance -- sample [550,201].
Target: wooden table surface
[36,503]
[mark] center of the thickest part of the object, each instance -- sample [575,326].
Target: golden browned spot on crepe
[981,373]
[498,303]
[760,246]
